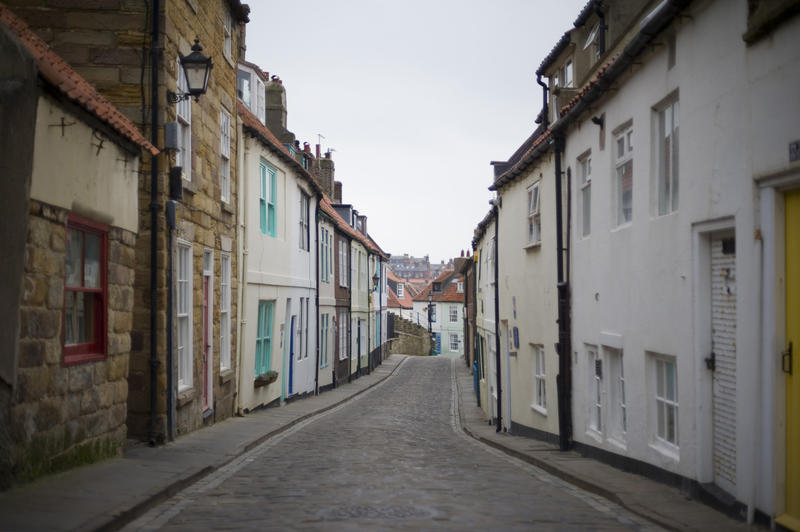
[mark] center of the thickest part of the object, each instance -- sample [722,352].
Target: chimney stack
[337,192]
[318,152]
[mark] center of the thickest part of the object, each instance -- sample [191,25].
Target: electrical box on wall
[171,136]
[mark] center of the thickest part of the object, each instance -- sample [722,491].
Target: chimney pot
[306,147]
[318,152]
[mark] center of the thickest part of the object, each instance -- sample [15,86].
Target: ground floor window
[666,400]
[263,361]
[540,391]
[85,291]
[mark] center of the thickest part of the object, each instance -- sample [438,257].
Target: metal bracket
[786,360]
[711,362]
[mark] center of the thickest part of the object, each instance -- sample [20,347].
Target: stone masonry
[411,339]
[67,415]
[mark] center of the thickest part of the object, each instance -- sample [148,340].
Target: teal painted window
[267,199]
[264,337]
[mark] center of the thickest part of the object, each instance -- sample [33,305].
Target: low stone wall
[411,339]
[60,415]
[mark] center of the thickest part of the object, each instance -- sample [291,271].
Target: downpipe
[498,373]
[563,380]
[154,208]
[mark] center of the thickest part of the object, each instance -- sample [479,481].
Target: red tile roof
[393,301]
[449,293]
[57,72]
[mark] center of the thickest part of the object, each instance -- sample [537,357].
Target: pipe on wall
[154,208]
[316,297]
[498,379]
[542,84]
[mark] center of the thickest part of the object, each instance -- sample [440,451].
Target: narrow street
[393,458]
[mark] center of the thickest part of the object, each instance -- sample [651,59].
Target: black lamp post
[196,69]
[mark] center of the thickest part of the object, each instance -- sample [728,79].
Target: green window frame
[264,337]
[267,199]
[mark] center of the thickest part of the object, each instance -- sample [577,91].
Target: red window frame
[97,349]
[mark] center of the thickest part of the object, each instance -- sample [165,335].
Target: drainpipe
[369,320]
[497,316]
[563,380]
[154,208]
[243,249]
[316,297]
[544,99]
[350,314]
[171,210]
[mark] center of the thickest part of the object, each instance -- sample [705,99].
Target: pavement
[110,494]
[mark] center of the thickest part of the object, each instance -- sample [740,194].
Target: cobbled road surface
[393,458]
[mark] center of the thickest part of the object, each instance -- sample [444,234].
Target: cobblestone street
[393,458]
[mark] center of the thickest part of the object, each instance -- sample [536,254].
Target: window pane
[671,414]
[79,317]
[620,147]
[91,266]
[661,420]
[74,255]
[659,378]
[670,371]
[586,200]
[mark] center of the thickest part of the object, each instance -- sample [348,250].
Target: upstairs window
[453,314]
[243,87]
[400,290]
[85,291]
[225,155]
[534,219]
[343,266]
[304,201]
[183,109]
[623,157]
[585,197]
[227,35]
[268,192]
[667,153]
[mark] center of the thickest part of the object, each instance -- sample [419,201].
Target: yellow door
[791,519]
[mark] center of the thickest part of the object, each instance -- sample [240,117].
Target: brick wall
[67,415]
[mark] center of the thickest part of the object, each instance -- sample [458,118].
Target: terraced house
[675,186]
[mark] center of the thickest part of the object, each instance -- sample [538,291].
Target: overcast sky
[416,97]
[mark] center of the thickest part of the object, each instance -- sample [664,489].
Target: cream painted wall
[327,305]
[485,317]
[70,172]
[528,296]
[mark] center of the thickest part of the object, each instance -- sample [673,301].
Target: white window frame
[225,155]
[454,342]
[585,195]
[595,387]
[623,164]
[460,287]
[343,266]
[534,219]
[539,380]
[453,314]
[617,427]
[227,33]
[183,112]
[341,324]
[225,312]
[666,150]
[304,215]
[400,290]
[665,402]
[568,73]
[184,305]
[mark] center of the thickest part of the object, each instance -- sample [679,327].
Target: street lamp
[375,279]
[196,70]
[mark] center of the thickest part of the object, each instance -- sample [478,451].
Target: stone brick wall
[412,339]
[67,415]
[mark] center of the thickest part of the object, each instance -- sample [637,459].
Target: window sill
[622,226]
[666,449]
[225,375]
[185,397]
[537,408]
[532,245]
[594,434]
[226,207]
[618,442]
[189,187]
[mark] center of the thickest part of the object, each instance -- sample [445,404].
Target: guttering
[498,379]
[563,381]
[154,208]
[543,85]
[316,296]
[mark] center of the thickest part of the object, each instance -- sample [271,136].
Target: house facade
[486,339]
[528,280]
[668,143]
[70,196]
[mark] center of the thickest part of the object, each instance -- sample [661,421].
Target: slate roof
[57,73]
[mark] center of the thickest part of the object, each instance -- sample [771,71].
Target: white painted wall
[485,317]
[327,304]
[641,287]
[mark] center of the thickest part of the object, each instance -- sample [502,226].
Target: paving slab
[660,503]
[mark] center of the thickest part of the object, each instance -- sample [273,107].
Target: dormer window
[400,290]
[243,87]
[437,287]
[250,90]
[593,43]
[567,74]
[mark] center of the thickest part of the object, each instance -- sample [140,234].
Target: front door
[790,364]
[723,365]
